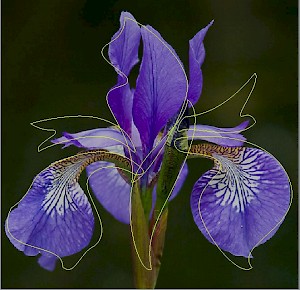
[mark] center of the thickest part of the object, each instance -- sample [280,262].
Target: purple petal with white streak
[242,203]
[196,58]
[221,136]
[161,87]
[55,215]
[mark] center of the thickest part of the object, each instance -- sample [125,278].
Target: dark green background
[51,66]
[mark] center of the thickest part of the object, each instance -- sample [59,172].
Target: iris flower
[237,205]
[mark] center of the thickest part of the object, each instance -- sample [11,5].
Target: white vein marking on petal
[63,192]
[237,182]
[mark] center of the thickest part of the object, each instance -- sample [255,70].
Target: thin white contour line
[220,166]
[127,82]
[93,204]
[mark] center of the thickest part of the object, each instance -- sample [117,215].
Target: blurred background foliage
[51,66]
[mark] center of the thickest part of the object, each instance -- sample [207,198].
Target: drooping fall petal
[241,202]
[55,217]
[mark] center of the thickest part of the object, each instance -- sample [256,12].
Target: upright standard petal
[123,49]
[161,87]
[120,100]
[94,139]
[221,136]
[196,58]
[123,54]
[242,201]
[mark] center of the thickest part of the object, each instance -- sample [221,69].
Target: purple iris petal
[221,136]
[196,58]
[243,200]
[123,49]
[123,54]
[160,89]
[180,181]
[93,139]
[110,188]
[113,191]
[47,262]
[135,136]
[55,215]
[120,101]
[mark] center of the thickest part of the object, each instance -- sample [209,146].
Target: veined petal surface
[242,201]
[161,87]
[55,215]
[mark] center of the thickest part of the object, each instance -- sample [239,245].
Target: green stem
[158,241]
[143,278]
[146,199]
